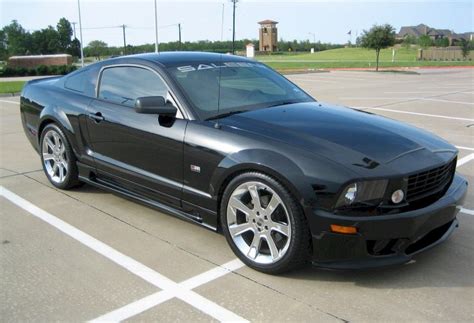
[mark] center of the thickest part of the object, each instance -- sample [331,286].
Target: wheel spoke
[255,197]
[273,204]
[254,246]
[61,172]
[236,204]
[55,168]
[271,244]
[239,229]
[49,143]
[47,157]
[57,140]
[64,164]
[280,227]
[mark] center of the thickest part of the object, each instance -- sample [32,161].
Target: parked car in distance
[228,143]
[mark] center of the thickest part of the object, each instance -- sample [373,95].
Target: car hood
[342,134]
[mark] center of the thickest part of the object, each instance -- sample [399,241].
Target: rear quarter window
[82,82]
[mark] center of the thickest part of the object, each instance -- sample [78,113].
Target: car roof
[177,58]
[169,59]
[172,58]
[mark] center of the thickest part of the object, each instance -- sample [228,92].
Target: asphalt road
[86,254]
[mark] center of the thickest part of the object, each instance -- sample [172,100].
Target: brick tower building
[268,36]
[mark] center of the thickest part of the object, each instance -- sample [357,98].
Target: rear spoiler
[47,78]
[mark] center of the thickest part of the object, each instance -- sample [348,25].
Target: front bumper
[387,239]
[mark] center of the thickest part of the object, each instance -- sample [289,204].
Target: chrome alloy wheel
[54,157]
[258,222]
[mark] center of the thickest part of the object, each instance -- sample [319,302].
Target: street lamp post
[80,32]
[233,25]
[156,28]
[124,40]
[314,37]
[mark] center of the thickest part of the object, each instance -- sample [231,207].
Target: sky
[328,21]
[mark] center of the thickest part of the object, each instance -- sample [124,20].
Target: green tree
[378,38]
[64,34]
[75,48]
[16,39]
[408,40]
[465,48]
[97,48]
[3,46]
[425,41]
[441,42]
[45,41]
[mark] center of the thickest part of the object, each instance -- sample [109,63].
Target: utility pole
[124,41]
[314,38]
[80,32]
[179,33]
[222,23]
[233,25]
[156,29]
[74,28]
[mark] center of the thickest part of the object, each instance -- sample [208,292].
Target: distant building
[36,60]
[268,36]
[433,33]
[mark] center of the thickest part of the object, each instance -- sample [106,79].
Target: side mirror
[155,105]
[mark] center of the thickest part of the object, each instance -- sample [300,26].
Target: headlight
[366,193]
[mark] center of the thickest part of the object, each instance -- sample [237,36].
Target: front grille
[430,182]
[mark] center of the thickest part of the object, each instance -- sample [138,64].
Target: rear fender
[52,114]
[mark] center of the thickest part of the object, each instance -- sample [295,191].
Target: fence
[443,54]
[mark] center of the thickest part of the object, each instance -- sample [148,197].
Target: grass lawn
[352,57]
[11,86]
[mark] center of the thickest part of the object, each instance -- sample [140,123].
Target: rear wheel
[263,224]
[59,162]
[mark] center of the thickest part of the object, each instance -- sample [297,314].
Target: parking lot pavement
[86,254]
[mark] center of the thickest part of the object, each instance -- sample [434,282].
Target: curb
[4,95]
[401,68]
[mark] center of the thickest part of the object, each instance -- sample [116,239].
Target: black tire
[299,249]
[71,178]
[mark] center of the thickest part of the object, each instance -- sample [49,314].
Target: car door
[141,153]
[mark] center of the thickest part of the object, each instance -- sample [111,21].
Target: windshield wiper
[226,114]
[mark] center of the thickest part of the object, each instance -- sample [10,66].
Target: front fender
[276,165]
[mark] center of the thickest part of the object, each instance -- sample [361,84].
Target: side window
[82,82]
[123,85]
[77,81]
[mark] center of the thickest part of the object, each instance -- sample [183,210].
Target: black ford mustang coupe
[230,144]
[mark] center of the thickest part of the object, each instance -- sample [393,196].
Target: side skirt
[148,202]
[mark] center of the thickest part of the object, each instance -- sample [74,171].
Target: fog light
[398,196]
[343,229]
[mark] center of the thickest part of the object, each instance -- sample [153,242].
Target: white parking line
[404,98]
[417,114]
[448,101]
[11,102]
[465,159]
[155,299]
[466,211]
[465,148]
[172,288]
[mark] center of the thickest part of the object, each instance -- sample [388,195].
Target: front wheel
[59,162]
[263,224]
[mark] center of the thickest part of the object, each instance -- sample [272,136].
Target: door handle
[97,117]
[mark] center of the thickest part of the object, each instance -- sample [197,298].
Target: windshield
[243,86]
